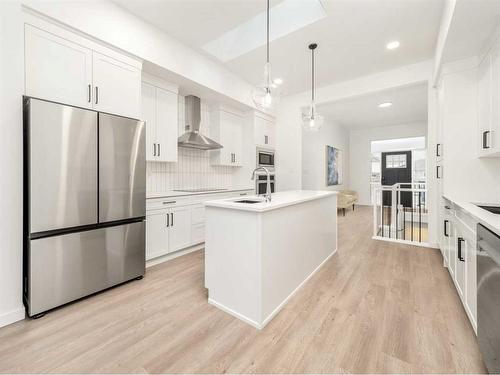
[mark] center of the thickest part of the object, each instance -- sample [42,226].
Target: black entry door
[396,168]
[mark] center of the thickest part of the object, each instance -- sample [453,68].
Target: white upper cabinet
[66,68]
[57,69]
[264,132]
[148,114]
[160,111]
[117,86]
[489,104]
[226,128]
[166,124]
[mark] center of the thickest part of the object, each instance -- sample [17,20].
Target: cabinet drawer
[162,203]
[198,233]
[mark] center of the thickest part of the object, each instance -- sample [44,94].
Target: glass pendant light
[312,121]
[266,95]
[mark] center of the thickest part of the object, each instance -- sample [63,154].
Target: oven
[261,183]
[265,158]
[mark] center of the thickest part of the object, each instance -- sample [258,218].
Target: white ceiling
[409,105]
[351,38]
[474,22]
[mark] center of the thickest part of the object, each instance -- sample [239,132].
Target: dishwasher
[488,297]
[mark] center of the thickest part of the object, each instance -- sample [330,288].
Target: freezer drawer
[67,267]
[61,156]
[122,168]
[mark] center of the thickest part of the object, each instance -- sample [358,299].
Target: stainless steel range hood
[193,138]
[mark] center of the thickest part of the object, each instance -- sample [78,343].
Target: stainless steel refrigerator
[84,203]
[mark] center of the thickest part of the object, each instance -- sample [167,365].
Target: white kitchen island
[258,254]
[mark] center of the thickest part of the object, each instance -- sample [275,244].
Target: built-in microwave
[265,158]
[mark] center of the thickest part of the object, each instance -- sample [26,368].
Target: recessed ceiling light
[392,45]
[277,81]
[385,105]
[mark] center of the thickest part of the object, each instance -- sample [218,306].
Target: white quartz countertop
[280,199]
[486,218]
[171,193]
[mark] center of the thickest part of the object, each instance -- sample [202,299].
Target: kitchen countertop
[171,193]
[486,218]
[280,199]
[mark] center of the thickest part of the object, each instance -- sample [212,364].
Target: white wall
[360,156]
[11,91]
[289,133]
[314,156]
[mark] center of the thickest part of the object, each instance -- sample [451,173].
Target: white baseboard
[235,314]
[12,316]
[277,309]
[167,257]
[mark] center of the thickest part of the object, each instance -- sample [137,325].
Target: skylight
[286,17]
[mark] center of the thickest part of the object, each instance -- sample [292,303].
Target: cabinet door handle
[438,149]
[154,149]
[90,93]
[438,171]
[446,234]
[172,216]
[266,139]
[460,240]
[168,202]
[168,220]
[486,144]
[159,149]
[96,95]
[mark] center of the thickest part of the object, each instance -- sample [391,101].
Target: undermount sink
[249,201]
[492,209]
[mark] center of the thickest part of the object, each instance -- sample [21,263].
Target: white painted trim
[159,82]
[407,242]
[227,109]
[235,314]
[12,316]
[277,309]
[264,116]
[176,254]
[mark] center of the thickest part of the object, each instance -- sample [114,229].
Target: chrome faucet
[268,186]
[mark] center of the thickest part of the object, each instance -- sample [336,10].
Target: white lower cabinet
[177,223]
[156,234]
[458,243]
[460,246]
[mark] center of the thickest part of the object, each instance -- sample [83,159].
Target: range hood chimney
[192,137]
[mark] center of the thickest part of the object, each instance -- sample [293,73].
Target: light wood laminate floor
[373,307]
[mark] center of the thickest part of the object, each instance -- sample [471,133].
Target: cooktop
[492,209]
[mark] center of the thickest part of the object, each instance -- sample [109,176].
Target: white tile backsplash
[193,169]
